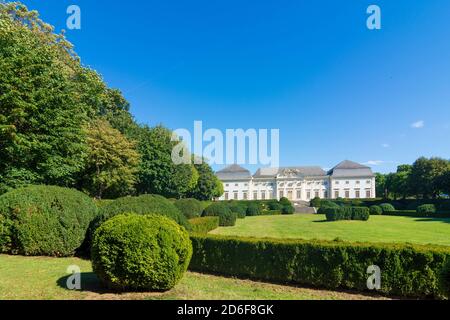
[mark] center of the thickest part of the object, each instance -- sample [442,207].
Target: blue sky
[312,69]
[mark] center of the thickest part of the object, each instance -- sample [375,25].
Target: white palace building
[348,180]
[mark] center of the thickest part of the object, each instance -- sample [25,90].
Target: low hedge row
[204,225]
[347,213]
[227,218]
[409,271]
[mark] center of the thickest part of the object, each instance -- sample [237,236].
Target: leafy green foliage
[140,252]
[387,207]
[112,162]
[410,271]
[204,225]
[445,279]
[426,209]
[253,209]
[347,213]
[143,205]
[288,209]
[376,210]
[238,207]
[44,220]
[191,208]
[223,211]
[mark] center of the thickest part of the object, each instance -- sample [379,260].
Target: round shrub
[376,210]
[426,209]
[387,207]
[316,202]
[275,206]
[140,252]
[253,210]
[238,208]
[222,210]
[44,221]
[145,204]
[288,209]
[190,208]
[285,201]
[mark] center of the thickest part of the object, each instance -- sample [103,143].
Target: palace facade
[348,180]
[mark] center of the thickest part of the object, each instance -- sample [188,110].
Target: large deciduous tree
[112,162]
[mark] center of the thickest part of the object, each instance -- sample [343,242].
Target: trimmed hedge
[410,271]
[253,210]
[288,209]
[445,279]
[227,218]
[44,221]
[140,252]
[376,210]
[190,208]
[145,204]
[347,213]
[426,210]
[204,225]
[387,207]
[239,208]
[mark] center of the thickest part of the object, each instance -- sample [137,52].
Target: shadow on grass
[444,220]
[320,221]
[89,283]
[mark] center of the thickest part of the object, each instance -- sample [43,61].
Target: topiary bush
[204,225]
[222,210]
[190,208]
[285,201]
[253,210]
[426,210]
[275,206]
[145,204]
[376,210]
[44,221]
[140,252]
[239,208]
[360,213]
[288,209]
[316,202]
[387,207]
[347,213]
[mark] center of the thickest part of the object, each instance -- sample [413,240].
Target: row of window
[263,195]
[357,182]
[358,194]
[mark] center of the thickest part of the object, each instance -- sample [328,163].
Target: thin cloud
[418,125]
[386,145]
[375,162]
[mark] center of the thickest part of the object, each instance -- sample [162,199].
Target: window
[325,194]
[255,195]
[368,182]
[281,194]
[337,182]
[347,182]
[245,195]
[336,194]
[317,194]
[236,195]
[358,182]
[347,194]
[299,194]
[227,185]
[308,195]
[226,196]
[290,195]
[236,185]
[263,195]
[368,194]
[357,194]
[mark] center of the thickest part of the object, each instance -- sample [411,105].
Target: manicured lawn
[377,229]
[44,278]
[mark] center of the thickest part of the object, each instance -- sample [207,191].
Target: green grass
[377,229]
[42,278]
